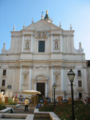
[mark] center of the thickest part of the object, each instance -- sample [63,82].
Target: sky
[64,12]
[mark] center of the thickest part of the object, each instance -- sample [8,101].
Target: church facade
[40,55]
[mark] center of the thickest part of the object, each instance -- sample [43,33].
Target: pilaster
[51,43]
[20,82]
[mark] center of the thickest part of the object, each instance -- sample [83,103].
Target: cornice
[50,53]
[49,61]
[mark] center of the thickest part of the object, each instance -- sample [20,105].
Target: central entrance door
[41,88]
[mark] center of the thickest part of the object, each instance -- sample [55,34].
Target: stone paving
[18,111]
[21,109]
[31,114]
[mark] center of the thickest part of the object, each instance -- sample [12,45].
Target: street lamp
[71,76]
[54,86]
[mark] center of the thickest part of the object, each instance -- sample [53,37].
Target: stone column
[46,89]
[62,79]
[51,83]
[30,78]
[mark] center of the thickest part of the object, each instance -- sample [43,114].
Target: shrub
[64,111]
[46,107]
[2,106]
[10,101]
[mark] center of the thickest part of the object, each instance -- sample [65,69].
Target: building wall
[26,66]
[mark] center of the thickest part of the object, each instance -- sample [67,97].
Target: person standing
[26,103]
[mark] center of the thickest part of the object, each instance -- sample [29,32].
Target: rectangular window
[9,87]
[4,72]
[3,82]
[80,95]
[3,91]
[79,73]
[41,46]
[79,83]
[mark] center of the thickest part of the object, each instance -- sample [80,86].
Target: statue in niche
[27,45]
[56,44]
[56,76]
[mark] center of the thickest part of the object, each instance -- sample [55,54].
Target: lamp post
[71,76]
[54,86]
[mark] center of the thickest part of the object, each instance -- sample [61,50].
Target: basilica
[40,56]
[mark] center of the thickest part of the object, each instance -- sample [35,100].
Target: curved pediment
[41,78]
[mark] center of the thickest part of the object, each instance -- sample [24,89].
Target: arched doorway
[42,84]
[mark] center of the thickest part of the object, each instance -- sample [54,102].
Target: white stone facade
[25,66]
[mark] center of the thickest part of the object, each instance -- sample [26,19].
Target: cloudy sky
[66,12]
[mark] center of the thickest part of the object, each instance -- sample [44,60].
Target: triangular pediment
[42,25]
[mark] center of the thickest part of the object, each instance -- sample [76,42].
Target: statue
[56,44]
[27,45]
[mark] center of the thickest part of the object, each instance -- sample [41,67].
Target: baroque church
[40,55]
